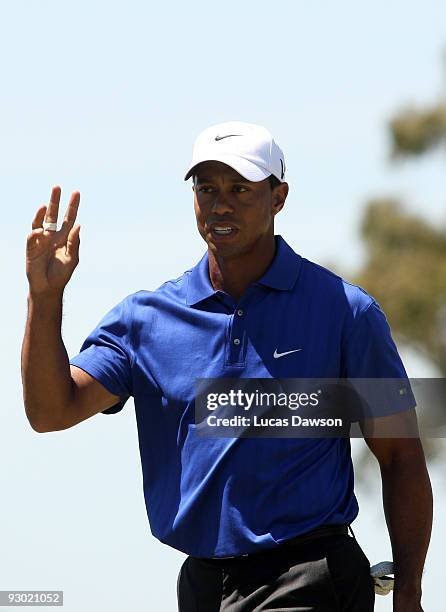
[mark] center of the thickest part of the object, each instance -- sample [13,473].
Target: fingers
[50,213]
[53,206]
[71,212]
[38,219]
[73,242]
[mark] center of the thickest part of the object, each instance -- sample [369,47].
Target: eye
[209,189]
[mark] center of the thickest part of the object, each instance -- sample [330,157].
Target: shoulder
[138,311]
[172,289]
[336,291]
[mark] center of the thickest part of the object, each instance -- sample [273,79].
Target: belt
[322,531]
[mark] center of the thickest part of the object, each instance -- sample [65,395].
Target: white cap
[248,148]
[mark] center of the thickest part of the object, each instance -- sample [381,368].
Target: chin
[223,250]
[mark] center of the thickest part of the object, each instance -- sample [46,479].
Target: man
[263,521]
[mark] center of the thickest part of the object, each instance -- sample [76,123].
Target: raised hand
[52,256]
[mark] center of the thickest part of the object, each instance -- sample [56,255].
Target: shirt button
[236,341]
[240,312]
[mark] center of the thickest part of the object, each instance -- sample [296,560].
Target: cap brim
[245,168]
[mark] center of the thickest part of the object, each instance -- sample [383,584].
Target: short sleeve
[369,352]
[106,354]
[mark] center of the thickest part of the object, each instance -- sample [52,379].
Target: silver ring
[50,227]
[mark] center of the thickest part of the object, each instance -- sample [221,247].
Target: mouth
[221,231]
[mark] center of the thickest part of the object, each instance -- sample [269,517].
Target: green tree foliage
[406,273]
[405,269]
[414,132]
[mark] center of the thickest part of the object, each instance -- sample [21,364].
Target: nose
[221,205]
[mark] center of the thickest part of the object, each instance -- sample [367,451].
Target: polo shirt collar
[199,286]
[281,274]
[284,269]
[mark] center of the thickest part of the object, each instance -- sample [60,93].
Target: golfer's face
[232,213]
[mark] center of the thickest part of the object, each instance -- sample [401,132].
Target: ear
[279,196]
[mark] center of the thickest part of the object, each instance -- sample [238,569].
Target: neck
[234,275]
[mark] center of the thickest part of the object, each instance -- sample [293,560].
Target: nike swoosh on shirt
[276,355]
[228,136]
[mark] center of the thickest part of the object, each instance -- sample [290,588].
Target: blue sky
[107,98]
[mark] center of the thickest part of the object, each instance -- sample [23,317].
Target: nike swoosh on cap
[228,136]
[276,355]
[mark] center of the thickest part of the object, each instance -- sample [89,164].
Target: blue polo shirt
[230,496]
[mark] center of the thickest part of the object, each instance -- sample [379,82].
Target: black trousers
[323,573]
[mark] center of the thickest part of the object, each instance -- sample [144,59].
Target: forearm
[407,499]
[46,378]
